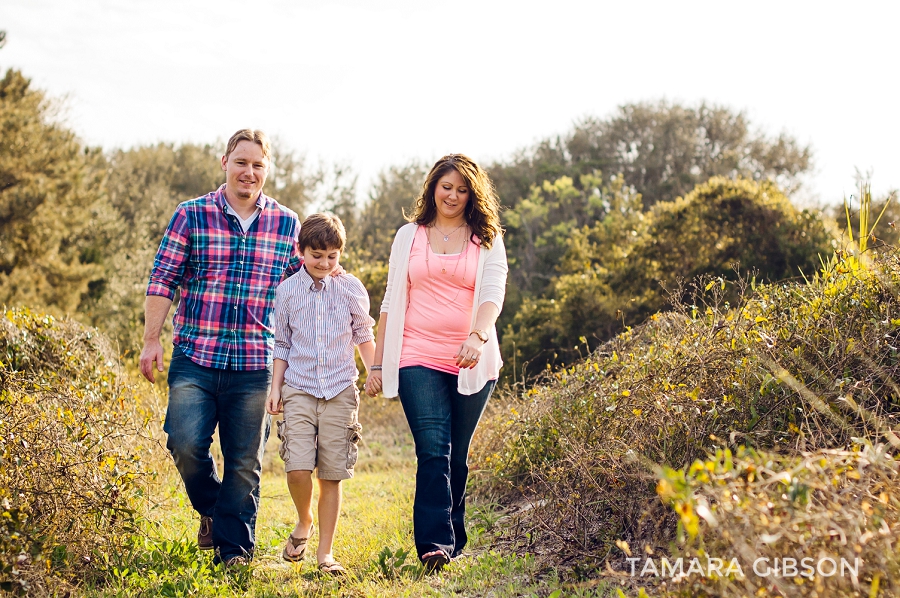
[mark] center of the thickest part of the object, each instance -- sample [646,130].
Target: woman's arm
[493,279]
[470,351]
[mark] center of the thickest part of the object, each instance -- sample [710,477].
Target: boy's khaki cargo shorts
[316,433]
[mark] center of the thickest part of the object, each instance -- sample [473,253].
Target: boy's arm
[273,403]
[374,381]
[367,354]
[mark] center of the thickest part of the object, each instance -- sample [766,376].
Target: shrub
[624,268]
[792,368]
[805,516]
[74,452]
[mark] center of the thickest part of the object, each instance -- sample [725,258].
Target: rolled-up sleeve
[172,257]
[361,321]
[282,323]
[493,282]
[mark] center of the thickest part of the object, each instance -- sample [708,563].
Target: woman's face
[451,195]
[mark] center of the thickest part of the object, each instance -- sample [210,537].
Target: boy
[318,321]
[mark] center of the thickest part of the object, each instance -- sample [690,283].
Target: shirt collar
[219,198]
[307,281]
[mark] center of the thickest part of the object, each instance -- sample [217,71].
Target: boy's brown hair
[322,232]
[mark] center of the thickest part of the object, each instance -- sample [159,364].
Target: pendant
[446,238]
[443,270]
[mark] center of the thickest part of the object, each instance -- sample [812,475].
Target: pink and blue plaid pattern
[227,277]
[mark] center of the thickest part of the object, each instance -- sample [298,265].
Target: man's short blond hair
[254,135]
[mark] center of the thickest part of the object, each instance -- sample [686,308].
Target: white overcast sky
[379,83]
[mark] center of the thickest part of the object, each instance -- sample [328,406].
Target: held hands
[373,383]
[273,402]
[469,352]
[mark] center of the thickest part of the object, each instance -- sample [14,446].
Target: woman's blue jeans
[442,422]
[199,399]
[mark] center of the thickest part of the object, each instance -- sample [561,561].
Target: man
[227,251]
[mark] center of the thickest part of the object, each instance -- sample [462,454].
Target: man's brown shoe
[204,536]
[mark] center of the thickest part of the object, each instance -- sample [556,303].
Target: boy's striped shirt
[316,331]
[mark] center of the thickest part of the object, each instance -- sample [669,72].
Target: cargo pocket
[283,449]
[353,436]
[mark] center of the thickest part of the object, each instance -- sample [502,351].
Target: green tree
[579,253]
[622,268]
[51,204]
[394,191]
[721,223]
[662,149]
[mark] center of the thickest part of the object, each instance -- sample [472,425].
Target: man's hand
[273,402]
[152,352]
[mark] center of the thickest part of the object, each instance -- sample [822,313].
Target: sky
[373,84]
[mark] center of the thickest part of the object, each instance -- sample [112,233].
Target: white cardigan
[490,285]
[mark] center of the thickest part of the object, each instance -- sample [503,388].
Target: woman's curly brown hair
[483,210]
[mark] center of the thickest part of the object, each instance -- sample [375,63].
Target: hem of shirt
[313,394]
[406,363]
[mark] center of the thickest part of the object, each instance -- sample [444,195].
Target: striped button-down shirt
[317,330]
[227,277]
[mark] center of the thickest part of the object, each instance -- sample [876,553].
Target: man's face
[245,170]
[320,262]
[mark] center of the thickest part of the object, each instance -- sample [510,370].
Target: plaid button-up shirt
[227,277]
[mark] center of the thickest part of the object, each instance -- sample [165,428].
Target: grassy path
[374,532]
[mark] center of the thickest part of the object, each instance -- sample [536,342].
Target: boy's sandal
[297,543]
[332,568]
[435,561]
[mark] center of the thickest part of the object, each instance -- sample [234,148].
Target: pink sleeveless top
[439,311]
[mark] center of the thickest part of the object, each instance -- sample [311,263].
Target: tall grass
[790,369]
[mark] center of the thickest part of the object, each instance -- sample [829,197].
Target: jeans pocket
[353,438]
[283,449]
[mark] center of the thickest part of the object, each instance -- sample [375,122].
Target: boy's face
[320,262]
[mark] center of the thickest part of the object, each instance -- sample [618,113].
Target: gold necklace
[463,256]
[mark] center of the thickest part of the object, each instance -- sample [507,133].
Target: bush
[624,268]
[75,453]
[793,368]
[837,509]
[721,223]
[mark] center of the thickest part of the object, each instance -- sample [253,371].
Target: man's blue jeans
[199,399]
[442,422]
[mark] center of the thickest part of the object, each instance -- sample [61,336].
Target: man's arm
[156,309]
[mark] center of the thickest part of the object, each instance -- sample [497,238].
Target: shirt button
[235,306]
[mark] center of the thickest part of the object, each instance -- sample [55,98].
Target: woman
[436,341]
